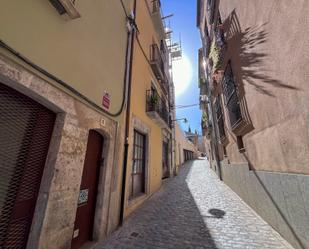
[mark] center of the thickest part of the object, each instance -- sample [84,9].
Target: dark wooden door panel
[84,220]
[165,160]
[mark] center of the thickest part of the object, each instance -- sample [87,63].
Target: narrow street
[195,210]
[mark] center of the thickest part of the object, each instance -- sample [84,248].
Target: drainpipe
[130,49]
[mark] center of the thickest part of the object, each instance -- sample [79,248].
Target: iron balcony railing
[156,61]
[156,104]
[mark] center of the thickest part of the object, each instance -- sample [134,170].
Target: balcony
[219,36]
[156,109]
[206,126]
[165,87]
[210,10]
[203,102]
[156,62]
[155,6]
[216,57]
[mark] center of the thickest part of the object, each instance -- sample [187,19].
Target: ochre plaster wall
[88,53]
[142,77]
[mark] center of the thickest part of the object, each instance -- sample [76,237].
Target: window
[220,39]
[206,30]
[138,165]
[209,4]
[66,7]
[231,96]
[220,121]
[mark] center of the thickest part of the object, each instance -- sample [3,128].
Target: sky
[183,24]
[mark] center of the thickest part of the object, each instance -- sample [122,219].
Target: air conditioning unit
[66,7]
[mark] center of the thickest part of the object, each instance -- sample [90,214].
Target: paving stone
[194,210]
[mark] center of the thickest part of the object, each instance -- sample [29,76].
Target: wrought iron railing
[156,104]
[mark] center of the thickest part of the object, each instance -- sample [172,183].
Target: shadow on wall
[250,62]
[284,216]
[277,207]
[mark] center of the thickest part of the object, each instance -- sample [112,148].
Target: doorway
[25,133]
[165,161]
[84,221]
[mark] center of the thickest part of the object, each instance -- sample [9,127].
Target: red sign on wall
[106,100]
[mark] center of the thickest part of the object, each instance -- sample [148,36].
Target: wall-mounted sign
[106,100]
[83,196]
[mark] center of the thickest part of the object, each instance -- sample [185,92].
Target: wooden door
[83,227]
[25,133]
[165,160]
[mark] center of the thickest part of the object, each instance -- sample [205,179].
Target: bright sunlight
[182,75]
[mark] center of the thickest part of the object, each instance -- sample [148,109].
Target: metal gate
[25,132]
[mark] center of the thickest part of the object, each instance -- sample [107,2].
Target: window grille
[231,96]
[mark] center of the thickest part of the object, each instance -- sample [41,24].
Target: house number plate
[83,196]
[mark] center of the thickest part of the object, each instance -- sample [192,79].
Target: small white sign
[83,196]
[75,234]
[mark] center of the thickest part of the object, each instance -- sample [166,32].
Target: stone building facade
[253,69]
[63,86]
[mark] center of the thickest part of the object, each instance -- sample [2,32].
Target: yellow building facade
[183,147]
[150,133]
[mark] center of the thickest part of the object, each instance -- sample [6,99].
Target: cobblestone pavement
[195,210]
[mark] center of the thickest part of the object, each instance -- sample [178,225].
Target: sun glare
[182,75]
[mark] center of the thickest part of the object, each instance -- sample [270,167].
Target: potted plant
[153,100]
